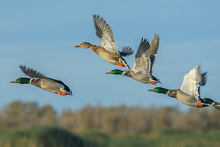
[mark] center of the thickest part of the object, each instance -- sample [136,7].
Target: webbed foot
[121,65]
[153,83]
[62,93]
[199,105]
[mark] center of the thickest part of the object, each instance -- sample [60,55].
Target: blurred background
[42,35]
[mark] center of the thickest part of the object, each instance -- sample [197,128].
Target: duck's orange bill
[77,46]
[153,83]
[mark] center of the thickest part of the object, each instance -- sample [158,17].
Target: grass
[56,137]
[170,138]
[41,136]
[183,138]
[95,137]
[129,141]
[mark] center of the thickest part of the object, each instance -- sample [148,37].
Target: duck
[189,92]
[108,49]
[43,82]
[144,62]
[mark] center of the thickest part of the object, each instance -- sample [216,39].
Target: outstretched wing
[32,73]
[146,55]
[153,48]
[104,32]
[142,60]
[192,81]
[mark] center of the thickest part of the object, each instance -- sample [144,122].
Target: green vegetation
[130,141]
[183,138]
[27,124]
[169,138]
[95,137]
[56,137]
[40,136]
[119,120]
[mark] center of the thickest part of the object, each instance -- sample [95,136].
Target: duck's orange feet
[199,104]
[153,83]
[121,65]
[62,93]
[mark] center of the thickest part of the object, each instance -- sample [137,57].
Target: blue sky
[42,35]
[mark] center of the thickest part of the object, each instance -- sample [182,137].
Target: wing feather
[192,81]
[31,73]
[34,74]
[142,62]
[126,51]
[154,47]
[104,32]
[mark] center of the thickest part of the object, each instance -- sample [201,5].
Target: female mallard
[39,80]
[108,50]
[189,92]
[144,62]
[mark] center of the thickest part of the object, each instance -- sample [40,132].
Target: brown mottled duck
[108,50]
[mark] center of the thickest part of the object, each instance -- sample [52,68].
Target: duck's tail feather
[204,78]
[155,79]
[126,51]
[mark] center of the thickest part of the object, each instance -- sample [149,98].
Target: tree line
[118,120]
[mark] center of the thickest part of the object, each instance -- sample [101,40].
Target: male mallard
[39,80]
[108,50]
[144,62]
[189,92]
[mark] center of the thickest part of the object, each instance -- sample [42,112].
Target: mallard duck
[39,80]
[144,62]
[108,50]
[189,92]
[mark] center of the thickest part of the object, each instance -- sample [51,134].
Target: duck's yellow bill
[13,81]
[151,90]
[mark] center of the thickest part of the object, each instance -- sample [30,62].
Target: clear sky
[42,35]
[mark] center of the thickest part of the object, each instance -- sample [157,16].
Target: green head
[116,72]
[21,81]
[159,90]
[208,101]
